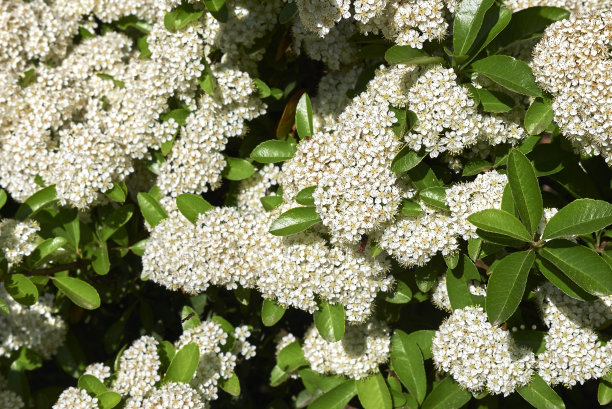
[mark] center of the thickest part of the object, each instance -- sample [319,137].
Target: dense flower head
[574,353]
[480,356]
[8,398]
[362,349]
[99,370]
[572,63]
[439,293]
[17,239]
[138,368]
[173,395]
[37,326]
[75,398]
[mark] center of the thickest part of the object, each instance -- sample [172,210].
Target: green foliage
[294,221]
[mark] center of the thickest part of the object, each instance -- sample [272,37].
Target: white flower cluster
[8,398]
[36,326]
[480,356]
[362,349]
[572,62]
[464,199]
[138,373]
[17,239]
[439,293]
[574,353]
[75,398]
[83,121]
[231,246]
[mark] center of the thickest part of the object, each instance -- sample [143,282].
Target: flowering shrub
[307,203]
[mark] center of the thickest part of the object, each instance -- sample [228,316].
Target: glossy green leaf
[510,73]
[303,117]
[336,398]
[138,248]
[581,264]
[150,209]
[214,5]
[108,400]
[408,364]
[401,295]
[111,222]
[457,282]
[45,249]
[506,285]
[3,197]
[262,87]
[189,318]
[271,312]
[36,202]
[118,192]
[91,384]
[582,216]
[561,281]
[304,196]
[373,392]
[467,23]
[434,196]
[447,395]
[495,101]
[184,364]
[403,54]
[329,320]
[496,19]
[406,159]
[21,289]
[540,395]
[534,340]
[530,23]
[475,166]
[180,18]
[294,221]
[604,393]
[291,357]
[539,116]
[192,206]
[500,222]
[231,385]
[237,169]
[79,292]
[525,189]
[410,209]
[100,261]
[273,151]
[423,176]
[271,202]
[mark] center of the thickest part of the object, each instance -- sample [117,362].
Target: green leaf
[539,116]
[540,395]
[192,206]
[467,23]
[495,101]
[273,151]
[27,360]
[532,339]
[401,295]
[336,398]
[180,18]
[45,249]
[303,117]
[604,393]
[410,209]
[271,202]
[231,385]
[214,5]
[304,196]
[525,189]
[373,392]
[294,221]
[225,324]
[423,176]
[150,209]
[271,312]
[457,283]
[434,196]
[100,262]
[495,21]
[237,169]
[108,400]
[500,222]
[403,54]
[79,292]
[530,23]
[36,202]
[184,364]
[138,248]
[406,159]
[291,357]
[329,320]
[189,318]
[475,166]
[582,216]
[262,87]
[4,308]
[506,286]
[21,289]
[287,13]
[112,221]
[207,81]
[407,361]
[447,395]
[3,198]
[581,264]
[561,281]
[91,384]
[510,73]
